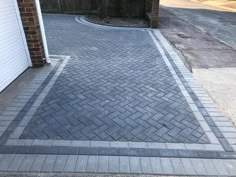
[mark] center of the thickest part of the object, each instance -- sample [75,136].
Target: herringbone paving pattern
[116,87]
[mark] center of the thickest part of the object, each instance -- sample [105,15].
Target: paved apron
[123,100]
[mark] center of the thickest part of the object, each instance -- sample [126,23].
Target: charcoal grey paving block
[178,166]
[41,143]
[168,153]
[92,164]
[199,166]
[135,165]
[81,164]
[113,164]
[71,163]
[221,169]
[26,164]
[60,163]
[16,162]
[167,166]
[156,165]
[124,164]
[145,163]
[225,144]
[103,164]
[49,163]
[38,163]
[188,167]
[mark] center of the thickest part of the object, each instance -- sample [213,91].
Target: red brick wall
[155,13]
[32,31]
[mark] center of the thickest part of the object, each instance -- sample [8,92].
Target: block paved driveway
[116,87]
[124,103]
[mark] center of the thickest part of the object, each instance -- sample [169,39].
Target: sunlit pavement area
[115,100]
[228,5]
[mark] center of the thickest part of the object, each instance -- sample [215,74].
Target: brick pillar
[31,26]
[155,14]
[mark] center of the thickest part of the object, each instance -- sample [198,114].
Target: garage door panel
[14,57]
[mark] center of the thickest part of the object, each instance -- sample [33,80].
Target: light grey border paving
[9,114]
[189,100]
[223,123]
[20,128]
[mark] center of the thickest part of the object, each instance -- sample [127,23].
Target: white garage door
[14,56]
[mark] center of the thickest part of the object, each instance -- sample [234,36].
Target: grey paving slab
[49,163]
[71,163]
[224,124]
[114,162]
[143,165]
[188,167]
[92,164]
[220,167]
[156,165]
[60,163]
[16,162]
[5,161]
[229,135]
[81,164]
[103,164]
[167,166]
[124,92]
[178,166]
[26,164]
[199,166]
[146,167]
[230,166]
[38,163]
[124,164]
[210,167]
[135,165]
